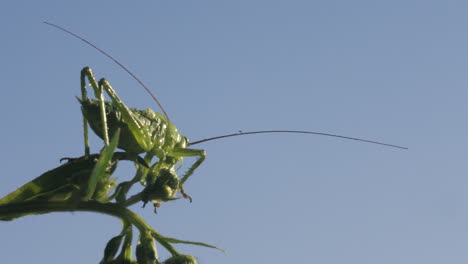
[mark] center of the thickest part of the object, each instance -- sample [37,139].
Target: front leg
[185,152]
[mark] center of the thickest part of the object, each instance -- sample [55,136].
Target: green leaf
[178,241]
[111,249]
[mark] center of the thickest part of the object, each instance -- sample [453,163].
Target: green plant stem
[133,200]
[44,207]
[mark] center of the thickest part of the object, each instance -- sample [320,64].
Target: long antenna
[295,132]
[117,62]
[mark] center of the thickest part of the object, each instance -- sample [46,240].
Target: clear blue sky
[393,71]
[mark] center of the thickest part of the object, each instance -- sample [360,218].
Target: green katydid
[135,131]
[150,133]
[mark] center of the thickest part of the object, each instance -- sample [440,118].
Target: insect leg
[139,131]
[185,152]
[87,73]
[100,168]
[85,120]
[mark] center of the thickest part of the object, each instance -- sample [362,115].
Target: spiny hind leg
[86,73]
[134,124]
[142,136]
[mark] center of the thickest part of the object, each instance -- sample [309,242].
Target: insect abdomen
[127,142]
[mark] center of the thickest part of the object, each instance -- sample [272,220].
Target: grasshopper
[136,132]
[141,132]
[151,133]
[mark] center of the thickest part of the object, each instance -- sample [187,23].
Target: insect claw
[186,196]
[156,206]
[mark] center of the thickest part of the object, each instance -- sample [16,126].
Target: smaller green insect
[149,133]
